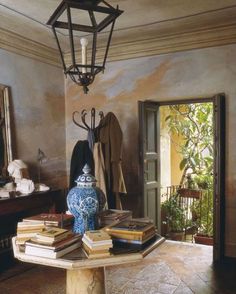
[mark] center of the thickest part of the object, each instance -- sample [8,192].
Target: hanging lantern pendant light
[81,63]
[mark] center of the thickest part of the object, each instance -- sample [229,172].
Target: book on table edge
[97,246]
[140,242]
[121,247]
[56,246]
[43,252]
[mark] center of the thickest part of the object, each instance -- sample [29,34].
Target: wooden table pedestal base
[85,281]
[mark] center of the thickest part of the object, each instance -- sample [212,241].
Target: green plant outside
[204,211]
[174,214]
[194,124]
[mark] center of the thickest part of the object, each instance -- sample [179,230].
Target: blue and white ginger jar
[85,201]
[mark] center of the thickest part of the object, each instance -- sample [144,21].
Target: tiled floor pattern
[174,267]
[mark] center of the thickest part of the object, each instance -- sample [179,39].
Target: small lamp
[41,158]
[83,21]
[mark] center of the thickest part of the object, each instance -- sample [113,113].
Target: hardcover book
[22,240]
[96,253]
[27,235]
[51,219]
[25,232]
[131,227]
[44,252]
[95,250]
[129,236]
[133,246]
[99,246]
[21,226]
[100,255]
[110,216]
[53,234]
[97,235]
[135,241]
[19,231]
[55,246]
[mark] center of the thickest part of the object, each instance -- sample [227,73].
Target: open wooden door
[150,160]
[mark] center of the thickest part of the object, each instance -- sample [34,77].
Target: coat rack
[83,114]
[92,128]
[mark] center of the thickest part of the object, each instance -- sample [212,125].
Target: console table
[12,210]
[85,275]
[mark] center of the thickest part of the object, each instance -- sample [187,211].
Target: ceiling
[146,27]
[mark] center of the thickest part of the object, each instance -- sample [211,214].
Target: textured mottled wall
[198,73]
[38,109]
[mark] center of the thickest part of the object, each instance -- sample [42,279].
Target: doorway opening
[152,183]
[186,168]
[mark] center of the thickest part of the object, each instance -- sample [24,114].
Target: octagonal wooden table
[85,275]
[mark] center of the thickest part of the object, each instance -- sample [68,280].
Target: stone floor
[174,267]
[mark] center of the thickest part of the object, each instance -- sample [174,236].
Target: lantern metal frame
[84,74]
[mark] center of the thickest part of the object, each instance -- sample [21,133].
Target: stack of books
[60,220]
[97,244]
[27,230]
[52,243]
[132,234]
[110,216]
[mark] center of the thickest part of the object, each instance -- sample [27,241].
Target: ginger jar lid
[86,179]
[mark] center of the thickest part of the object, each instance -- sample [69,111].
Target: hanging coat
[81,155]
[110,135]
[99,168]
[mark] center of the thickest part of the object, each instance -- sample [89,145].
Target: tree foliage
[193,123]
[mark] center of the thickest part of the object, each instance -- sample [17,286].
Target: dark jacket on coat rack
[81,155]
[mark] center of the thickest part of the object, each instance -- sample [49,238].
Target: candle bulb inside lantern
[84,43]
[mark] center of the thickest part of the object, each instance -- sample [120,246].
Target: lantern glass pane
[80,17]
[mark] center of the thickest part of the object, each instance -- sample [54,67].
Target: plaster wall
[190,74]
[38,114]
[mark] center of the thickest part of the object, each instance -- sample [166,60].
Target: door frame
[219,167]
